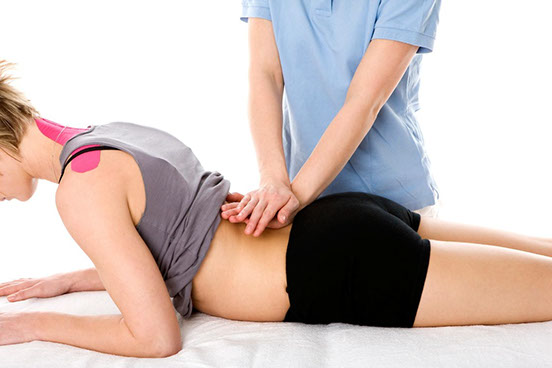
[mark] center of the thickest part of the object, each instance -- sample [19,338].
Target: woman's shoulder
[110,175]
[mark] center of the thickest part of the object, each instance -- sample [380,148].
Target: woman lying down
[143,209]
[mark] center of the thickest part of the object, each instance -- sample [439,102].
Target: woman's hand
[262,205]
[16,328]
[44,287]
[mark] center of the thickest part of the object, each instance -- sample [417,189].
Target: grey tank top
[182,199]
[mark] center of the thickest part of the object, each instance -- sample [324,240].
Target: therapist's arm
[266,85]
[377,75]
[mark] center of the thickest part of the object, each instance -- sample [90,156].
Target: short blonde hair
[16,112]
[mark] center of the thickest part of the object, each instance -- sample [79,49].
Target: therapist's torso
[320,44]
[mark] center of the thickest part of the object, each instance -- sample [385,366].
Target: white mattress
[216,342]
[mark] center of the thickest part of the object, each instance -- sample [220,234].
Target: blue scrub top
[320,44]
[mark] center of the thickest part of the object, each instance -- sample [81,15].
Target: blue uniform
[320,44]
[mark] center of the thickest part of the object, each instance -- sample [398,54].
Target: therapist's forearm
[265,121]
[334,149]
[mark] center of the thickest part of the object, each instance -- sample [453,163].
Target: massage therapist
[333,91]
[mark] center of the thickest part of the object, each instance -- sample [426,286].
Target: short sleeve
[410,21]
[255,8]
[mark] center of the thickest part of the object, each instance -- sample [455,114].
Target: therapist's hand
[262,206]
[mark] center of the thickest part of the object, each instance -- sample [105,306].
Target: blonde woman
[140,205]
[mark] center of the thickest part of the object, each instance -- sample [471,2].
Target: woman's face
[15,182]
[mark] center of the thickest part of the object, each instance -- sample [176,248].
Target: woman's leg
[439,229]
[470,284]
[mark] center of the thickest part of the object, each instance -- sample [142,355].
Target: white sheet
[215,342]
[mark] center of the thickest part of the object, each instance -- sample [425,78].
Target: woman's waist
[243,277]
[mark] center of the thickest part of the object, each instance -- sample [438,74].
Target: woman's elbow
[164,349]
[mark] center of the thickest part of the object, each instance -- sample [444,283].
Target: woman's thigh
[469,283]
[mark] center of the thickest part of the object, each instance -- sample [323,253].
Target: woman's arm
[50,286]
[85,280]
[104,333]
[147,325]
[377,75]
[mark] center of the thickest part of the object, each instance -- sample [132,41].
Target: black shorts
[355,258]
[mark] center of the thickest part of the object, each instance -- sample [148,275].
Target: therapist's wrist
[272,177]
[303,196]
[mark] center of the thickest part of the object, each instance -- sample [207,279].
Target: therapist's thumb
[286,211]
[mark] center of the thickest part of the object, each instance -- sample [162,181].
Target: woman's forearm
[335,148]
[105,333]
[265,121]
[85,280]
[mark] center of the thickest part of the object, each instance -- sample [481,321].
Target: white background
[181,66]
